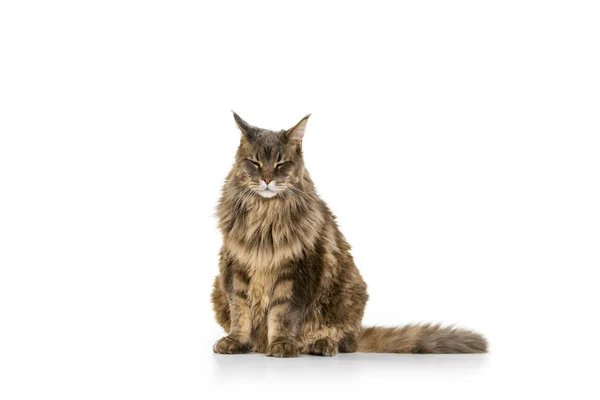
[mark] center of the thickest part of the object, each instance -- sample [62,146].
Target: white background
[458,143]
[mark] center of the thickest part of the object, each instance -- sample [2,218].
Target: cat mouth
[267,193]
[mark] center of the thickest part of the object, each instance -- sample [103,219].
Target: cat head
[268,162]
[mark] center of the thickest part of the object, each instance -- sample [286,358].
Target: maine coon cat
[287,283]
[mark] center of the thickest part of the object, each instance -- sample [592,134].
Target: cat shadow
[258,366]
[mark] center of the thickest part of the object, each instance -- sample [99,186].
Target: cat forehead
[265,139]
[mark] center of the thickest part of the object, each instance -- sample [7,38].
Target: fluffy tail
[425,339]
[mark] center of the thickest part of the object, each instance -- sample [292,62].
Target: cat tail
[424,339]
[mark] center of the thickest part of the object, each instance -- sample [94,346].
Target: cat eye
[281,164]
[255,163]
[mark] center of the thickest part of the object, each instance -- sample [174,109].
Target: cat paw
[324,347]
[228,345]
[283,348]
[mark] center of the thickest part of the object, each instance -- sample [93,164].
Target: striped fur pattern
[287,283]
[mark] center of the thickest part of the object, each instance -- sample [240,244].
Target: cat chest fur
[267,236]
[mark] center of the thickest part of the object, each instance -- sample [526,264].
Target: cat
[287,283]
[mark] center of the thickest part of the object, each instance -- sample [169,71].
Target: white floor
[391,376]
[344,369]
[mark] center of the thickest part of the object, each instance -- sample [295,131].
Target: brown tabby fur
[287,283]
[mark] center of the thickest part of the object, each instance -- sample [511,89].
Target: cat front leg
[239,339]
[283,322]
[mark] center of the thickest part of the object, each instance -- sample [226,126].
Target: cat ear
[248,130]
[296,134]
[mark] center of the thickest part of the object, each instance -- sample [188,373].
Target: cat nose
[267,180]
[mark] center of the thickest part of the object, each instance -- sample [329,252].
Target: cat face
[269,163]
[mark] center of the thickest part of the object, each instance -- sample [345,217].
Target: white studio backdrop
[458,143]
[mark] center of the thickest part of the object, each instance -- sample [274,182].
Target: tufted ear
[248,130]
[296,133]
